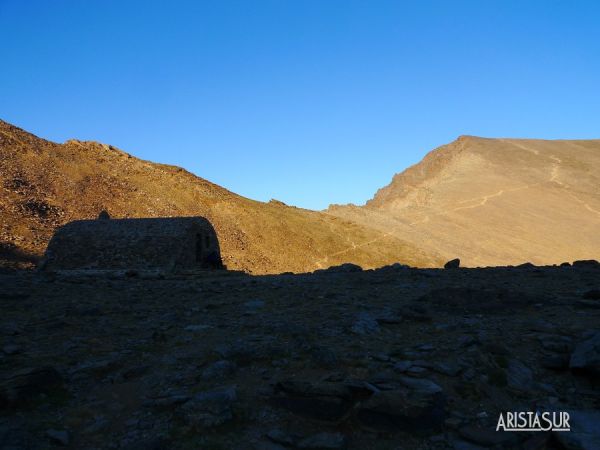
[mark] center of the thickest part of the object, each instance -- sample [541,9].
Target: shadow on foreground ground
[344,358]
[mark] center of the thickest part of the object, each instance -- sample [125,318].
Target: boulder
[586,263]
[403,409]
[586,356]
[324,401]
[210,408]
[365,323]
[219,370]
[59,437]
[526,265]
[452,264]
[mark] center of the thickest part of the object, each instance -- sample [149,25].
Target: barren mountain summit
[495,201]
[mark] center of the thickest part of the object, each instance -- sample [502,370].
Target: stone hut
[169,243]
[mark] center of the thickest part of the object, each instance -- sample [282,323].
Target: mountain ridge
[45,184]
[489,201]
[494,201]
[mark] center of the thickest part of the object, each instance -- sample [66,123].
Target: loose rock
[209,409]
[586,356]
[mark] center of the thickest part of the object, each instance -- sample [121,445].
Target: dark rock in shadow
[452,264]
[586,264]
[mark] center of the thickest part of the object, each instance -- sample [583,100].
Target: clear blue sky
[309,102]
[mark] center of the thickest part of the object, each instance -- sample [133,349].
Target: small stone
[100,423]
[547,388]
[211,408]
[557,345]
[96,368]
[133,422]
[365,324]
[453,422]
[421,385]
[167,401]
[244,352]
[254,305]
[281,437]
[402,366]
[388,317]
[10,329]
[382,357]
[449,369]
[519,376]
[11,349]
[323,401]
[60,437]
[219,370]
[416,371]
[469,374]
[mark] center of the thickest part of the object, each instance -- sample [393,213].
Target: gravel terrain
[342,358]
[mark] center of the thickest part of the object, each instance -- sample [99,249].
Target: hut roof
[161,226]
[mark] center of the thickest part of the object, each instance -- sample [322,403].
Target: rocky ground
[395,358]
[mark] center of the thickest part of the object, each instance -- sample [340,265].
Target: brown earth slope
[44,185]
[495,201]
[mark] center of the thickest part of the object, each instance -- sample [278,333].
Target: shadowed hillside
[495,201]
[44,185]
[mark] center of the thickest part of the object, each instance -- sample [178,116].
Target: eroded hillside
[495,201]
[44,185]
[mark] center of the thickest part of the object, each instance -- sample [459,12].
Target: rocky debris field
[396,358]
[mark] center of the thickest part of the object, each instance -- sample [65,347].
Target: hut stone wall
[177,243]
